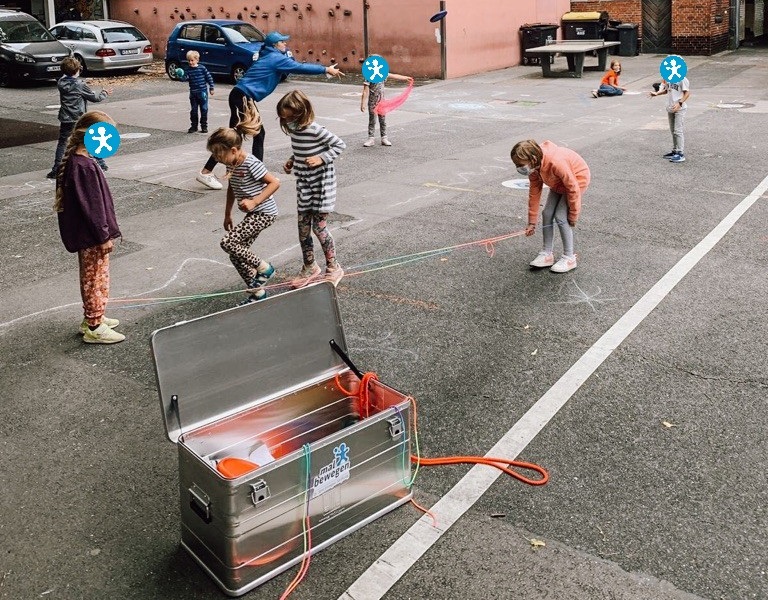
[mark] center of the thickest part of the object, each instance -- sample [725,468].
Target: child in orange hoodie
[567,176]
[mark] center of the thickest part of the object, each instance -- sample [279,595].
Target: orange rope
[363,394]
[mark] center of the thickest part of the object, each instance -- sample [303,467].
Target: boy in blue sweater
[200,85]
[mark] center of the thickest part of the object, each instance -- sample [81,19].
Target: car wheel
[5,77]
[81,60]
[237,72]
[170,69]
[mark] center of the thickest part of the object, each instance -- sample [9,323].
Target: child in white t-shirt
[677,96]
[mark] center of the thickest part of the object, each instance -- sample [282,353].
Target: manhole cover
[516,184]
[734,105]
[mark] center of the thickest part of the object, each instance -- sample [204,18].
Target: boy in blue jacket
[200,85]
[259,81]
[74,95]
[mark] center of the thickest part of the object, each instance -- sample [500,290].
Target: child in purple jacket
[87,224]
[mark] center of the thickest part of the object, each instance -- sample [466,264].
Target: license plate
[134,51]
[56,68]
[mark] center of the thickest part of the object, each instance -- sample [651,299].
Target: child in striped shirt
[252,187]
[314,150]
[200,85]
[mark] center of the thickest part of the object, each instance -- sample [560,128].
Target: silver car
[105,45]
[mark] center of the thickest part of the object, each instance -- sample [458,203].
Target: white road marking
[395,562]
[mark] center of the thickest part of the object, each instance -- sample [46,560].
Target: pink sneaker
[334,275]
[306,276]
[544,259]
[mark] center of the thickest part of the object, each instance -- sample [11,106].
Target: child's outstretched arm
[399,77]
[273,184]
[91,96]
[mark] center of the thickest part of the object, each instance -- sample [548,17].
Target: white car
[105,45]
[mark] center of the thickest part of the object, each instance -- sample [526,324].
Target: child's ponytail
[225,138]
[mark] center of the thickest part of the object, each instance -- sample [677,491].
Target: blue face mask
[524,170]
[292,125]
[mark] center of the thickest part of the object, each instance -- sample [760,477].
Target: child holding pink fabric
[373,93]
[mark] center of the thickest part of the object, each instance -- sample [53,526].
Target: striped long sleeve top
[315,186]
[199,78]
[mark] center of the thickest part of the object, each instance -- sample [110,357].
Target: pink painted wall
[481,35]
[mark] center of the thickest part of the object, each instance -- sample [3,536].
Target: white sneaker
[369,142]
[111,323]
[544,259]
[102,335]
[385,141]
[209,180]
[564,264]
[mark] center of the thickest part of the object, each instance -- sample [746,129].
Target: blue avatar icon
[375,69]
[102,140]
[673,68]
[341,454]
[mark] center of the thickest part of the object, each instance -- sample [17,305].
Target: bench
[575,51]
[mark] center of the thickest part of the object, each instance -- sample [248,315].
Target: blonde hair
[615,61]
[527,151]
[225,138]
[75,141]
[193,54]
[297,103]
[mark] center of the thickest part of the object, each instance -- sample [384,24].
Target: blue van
[225,47]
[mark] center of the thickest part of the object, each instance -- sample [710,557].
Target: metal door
[657,26]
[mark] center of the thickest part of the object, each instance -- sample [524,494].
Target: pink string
[384,106]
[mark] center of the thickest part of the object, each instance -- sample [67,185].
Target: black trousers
[236,97]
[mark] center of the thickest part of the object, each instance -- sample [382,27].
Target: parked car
[105,45]
[27,49]
[225,47]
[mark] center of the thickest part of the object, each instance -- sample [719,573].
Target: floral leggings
[317,222]
[94,282]
[237,243]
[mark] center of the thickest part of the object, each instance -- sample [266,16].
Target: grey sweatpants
[556,211]
[676,120]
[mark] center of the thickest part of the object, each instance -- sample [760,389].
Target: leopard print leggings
[237,243]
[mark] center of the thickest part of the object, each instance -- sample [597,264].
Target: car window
[58,32]
[113,35]
[88,35]
[213,35]
[24,32]
[246,31]
[191,32]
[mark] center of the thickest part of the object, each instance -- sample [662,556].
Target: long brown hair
[226,138]
[298,105]
[76,139]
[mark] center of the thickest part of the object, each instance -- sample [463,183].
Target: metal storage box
[261,382]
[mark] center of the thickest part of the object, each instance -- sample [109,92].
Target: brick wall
[626,11]
[695,29]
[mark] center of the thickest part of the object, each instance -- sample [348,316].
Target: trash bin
[612,35]
[538,34]
[628,39]
[584,25]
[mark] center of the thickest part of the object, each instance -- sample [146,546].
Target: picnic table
[575,51]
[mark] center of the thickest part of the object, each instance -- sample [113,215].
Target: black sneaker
[192,130]
[677,158]
[203,130]
[51,174]
[669,155]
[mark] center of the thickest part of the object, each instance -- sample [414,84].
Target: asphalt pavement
[656,450]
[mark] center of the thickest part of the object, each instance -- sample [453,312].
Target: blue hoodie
[261,79]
